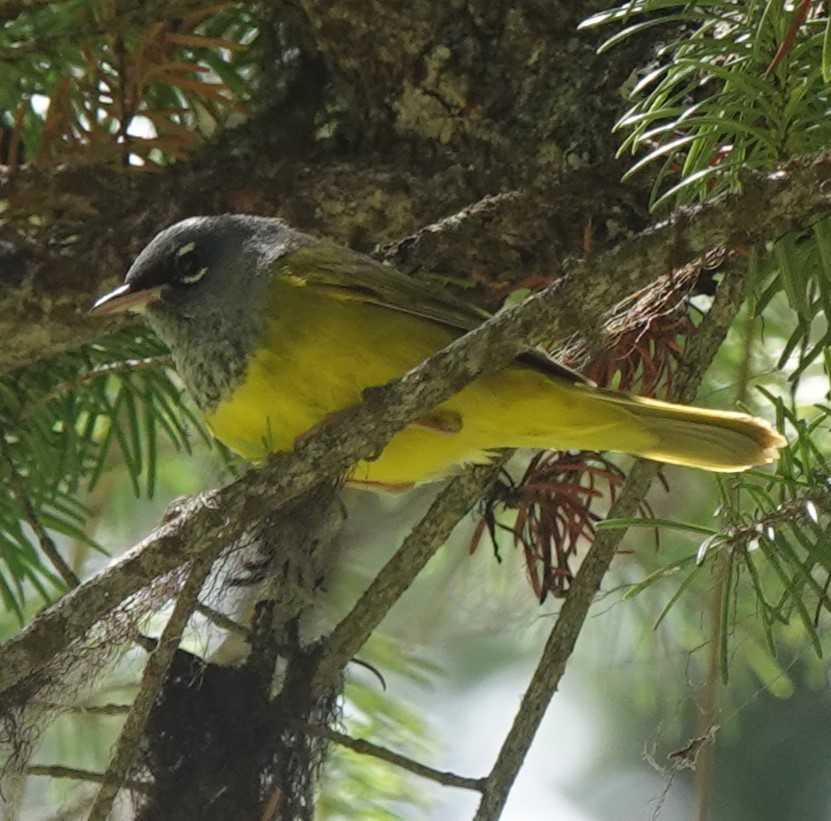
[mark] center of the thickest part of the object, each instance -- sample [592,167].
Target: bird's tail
[722,441]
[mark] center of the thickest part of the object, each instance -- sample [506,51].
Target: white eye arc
[190,279]
[187,265]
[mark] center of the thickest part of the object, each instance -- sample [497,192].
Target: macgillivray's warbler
[272,330]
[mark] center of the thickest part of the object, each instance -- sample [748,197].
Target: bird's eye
[188,265]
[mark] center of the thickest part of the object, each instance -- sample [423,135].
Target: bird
[273,330]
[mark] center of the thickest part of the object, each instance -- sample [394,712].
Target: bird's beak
[125,298]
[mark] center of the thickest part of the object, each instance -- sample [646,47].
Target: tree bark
[392,117]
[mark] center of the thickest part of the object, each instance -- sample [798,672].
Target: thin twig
[422,543]
[390,251]
[47,543]
[221,620]
[560,646]
[59,771]
[272,806]
[152,678]
[708,706]
[92,709]
[364,747]
[569,624]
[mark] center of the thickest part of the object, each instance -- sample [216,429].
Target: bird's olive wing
[348,275]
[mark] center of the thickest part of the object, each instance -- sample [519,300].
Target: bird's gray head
[200,261]
[202,285]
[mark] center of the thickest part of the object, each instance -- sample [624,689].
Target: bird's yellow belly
[511,408]
[317,360]
[260,419]
[414,455]
[320,354]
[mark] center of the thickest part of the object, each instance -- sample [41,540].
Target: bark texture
[392,117]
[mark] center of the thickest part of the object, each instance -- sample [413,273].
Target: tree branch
[422,543]
[58,771]
[778,202]
[46,313]
[129,738]
[569,624]
[364,747]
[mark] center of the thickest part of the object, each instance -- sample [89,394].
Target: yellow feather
[320,351]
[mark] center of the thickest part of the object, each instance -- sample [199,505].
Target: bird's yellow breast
[317,354]
[320,350]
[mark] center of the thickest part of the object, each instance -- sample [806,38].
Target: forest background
[656,171]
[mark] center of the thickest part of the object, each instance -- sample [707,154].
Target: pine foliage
[70,419]
[181,68]
[734,90]
[134,86]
